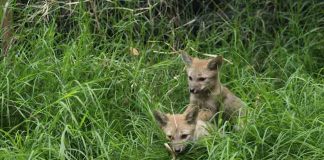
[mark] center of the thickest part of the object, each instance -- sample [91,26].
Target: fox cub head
[202,73]
[178,128]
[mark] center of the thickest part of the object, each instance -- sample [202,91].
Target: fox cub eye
[184,136]
[170,137]
[201,79]
[190,78]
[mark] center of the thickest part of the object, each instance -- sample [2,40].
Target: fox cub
[207,92]
[181,129]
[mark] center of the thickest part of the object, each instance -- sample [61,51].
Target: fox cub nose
[194,91]
[177,150]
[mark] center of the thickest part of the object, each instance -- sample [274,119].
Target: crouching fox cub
[207,92]
[180,129]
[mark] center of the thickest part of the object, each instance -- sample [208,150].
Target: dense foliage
[71,86]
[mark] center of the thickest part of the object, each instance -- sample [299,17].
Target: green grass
[70,89]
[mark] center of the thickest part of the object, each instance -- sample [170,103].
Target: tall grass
[71,89]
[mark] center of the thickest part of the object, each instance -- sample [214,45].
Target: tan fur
[179,129]
[208,93]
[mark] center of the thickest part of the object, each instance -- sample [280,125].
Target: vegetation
[73,86]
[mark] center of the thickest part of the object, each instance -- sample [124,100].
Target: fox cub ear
[186,58]
[192,115]
[215,63]
[161,118]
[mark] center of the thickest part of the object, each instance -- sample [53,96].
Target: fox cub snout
[180,129]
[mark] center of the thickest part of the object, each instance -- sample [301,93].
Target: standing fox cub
[181,128]
[207,92]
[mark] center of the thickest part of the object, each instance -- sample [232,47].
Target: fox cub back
[180,129]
